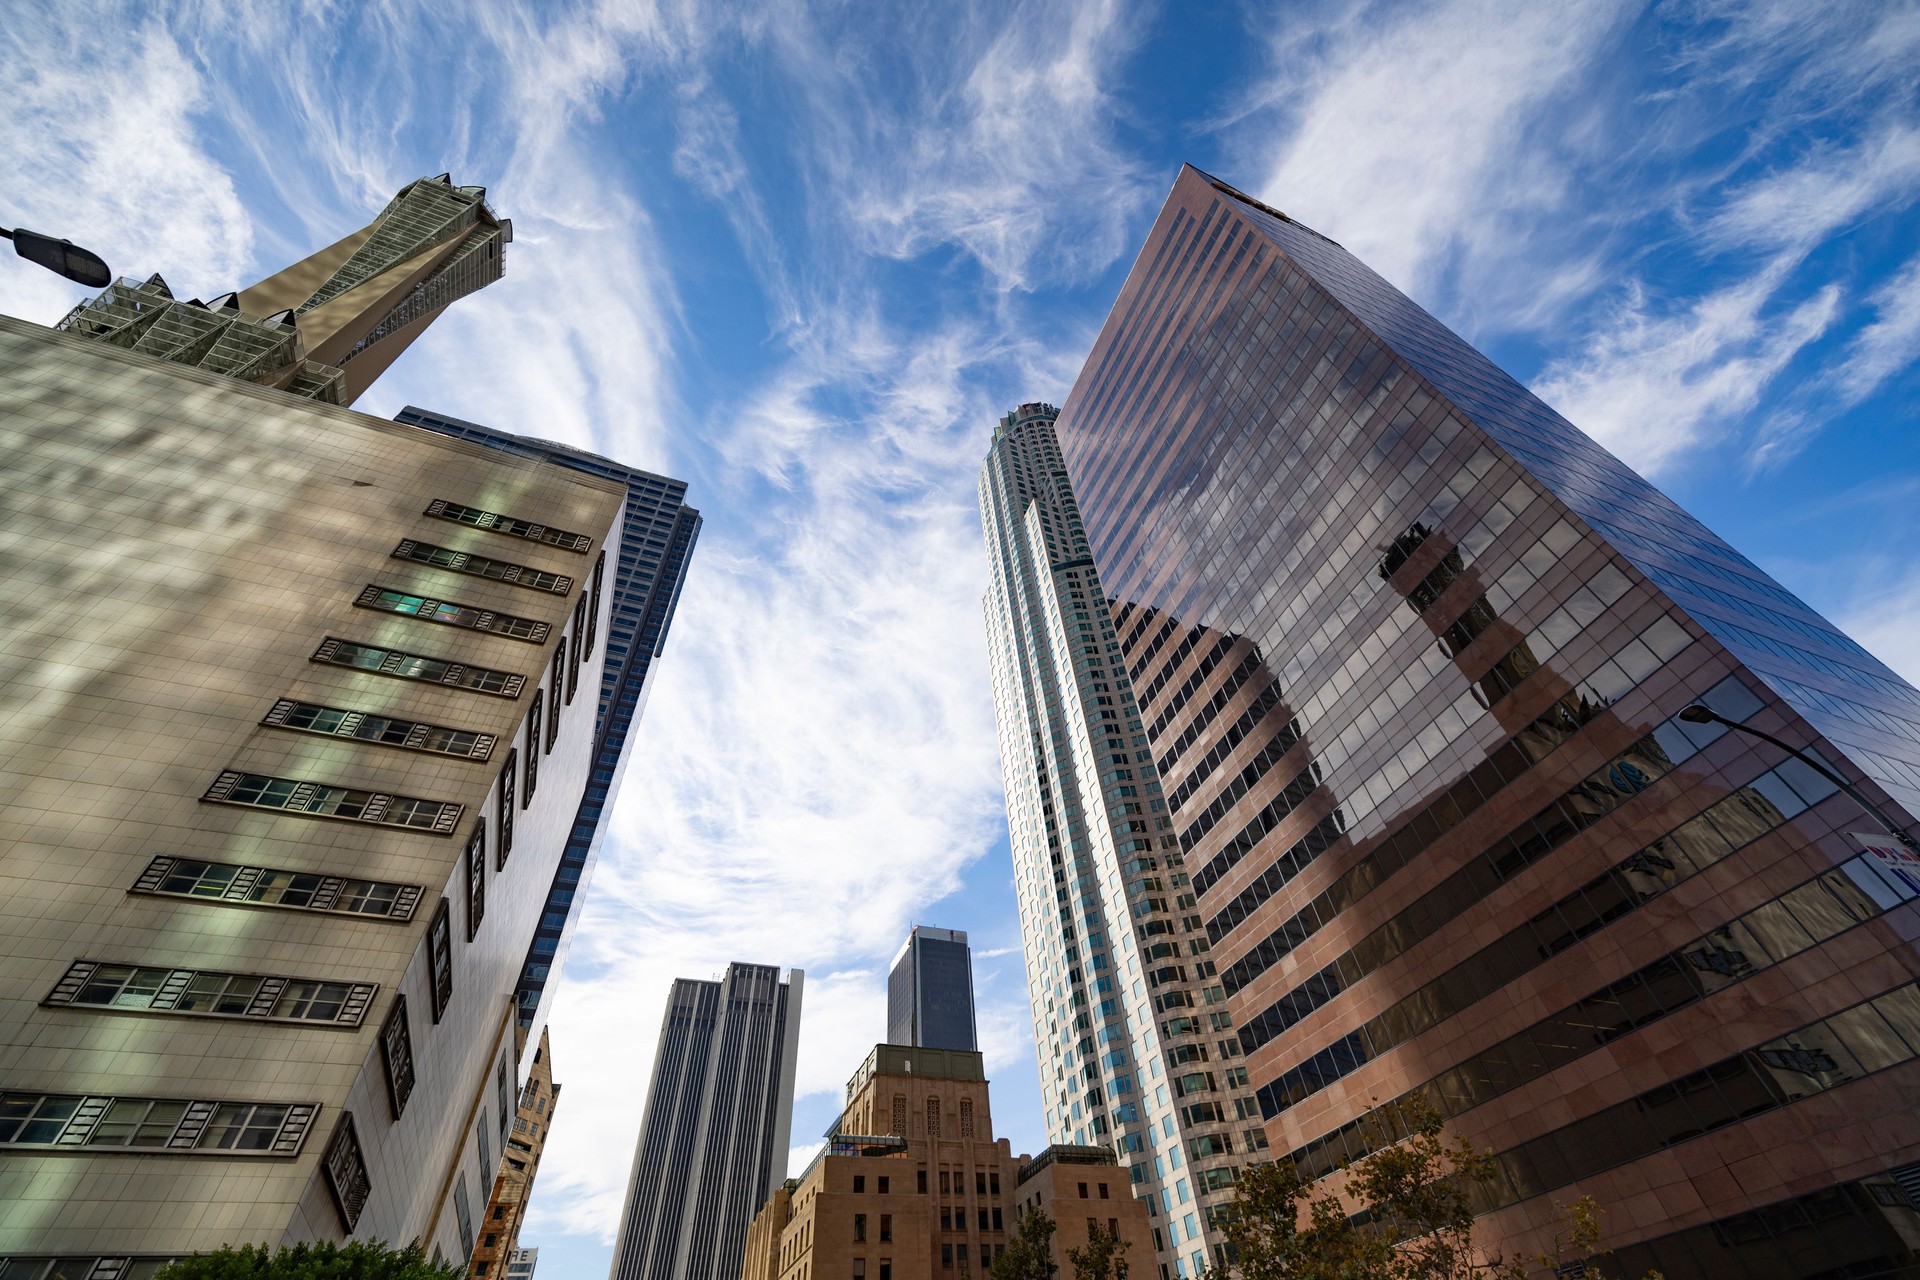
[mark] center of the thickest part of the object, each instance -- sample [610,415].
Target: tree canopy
[360,1260]
[1029,1252]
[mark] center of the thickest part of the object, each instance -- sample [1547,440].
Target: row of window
[350,804]
[493,522]
[211,993]
[412,666]
[1858,890]
[451,614]
[412,735]
[518,575]
[267,887]
[80,1122]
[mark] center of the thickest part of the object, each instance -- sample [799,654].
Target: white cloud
[1652,386]
[1888,345]
[1798,206]
[1411,134]
[104,147]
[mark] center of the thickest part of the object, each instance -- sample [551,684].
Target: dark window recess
[557,700]
[593,602]
[91,984]
[412,666]
[447,613]
[573,645]
[476,878]
[518,575]
[494,522]
[533,748]
[440,958]
[265,887]
[412,735]
[347,1173]
[506,809]
[319,800]
[396,1051]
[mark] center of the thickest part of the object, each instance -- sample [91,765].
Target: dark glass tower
[645,579]
[713,1145]
[1662,963]
[930,992]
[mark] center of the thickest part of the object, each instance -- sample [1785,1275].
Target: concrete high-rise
[1411,653]
[327,326]
[913,1183]
[930,991]
[713,1143]
[1134,1047]
[290,750]
[657,535]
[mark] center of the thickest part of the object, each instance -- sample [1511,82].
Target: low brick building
[913,1185]
[498,1245]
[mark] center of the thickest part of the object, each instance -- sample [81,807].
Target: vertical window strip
[505,792]
[556,701]
[573,667]
[476,878]
[440,958]
[346,1170]
[593,601]
[396,1051]
[532,778]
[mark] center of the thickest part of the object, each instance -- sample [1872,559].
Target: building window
[886,1224]
[506,810]
[463,1214]
[412,666]
[886,1269]
[966,1120]
[440,959]
[593,603]
[264,887]
[396,1051]
[533,748]
[885,1182]
[91,984]
[518,575]
[476,878]
[859,1183]
[556,702]
[447,613]
[410,735]
[573,646]
[493,522]
[922,1181]
[169,1124]
[900,1114]
[946,1256]
[933,1122]
[860,1226]
[860,1264]
[505,1087]
[347,804]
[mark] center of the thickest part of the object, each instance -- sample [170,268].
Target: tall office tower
[291,738]
[930,991]
[327,326]
[713,1145]
[506,1208]
[658,530]
[912,1182]
[1129,1017]
[1658,961]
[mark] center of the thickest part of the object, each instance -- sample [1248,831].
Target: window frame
[454,560]
[475,860]
[396,1055]
[417,731]
[175,984]
[331,889]
[371,811]
[427,608]
[78,1124]
[496,522]
[439,944]
[512,682]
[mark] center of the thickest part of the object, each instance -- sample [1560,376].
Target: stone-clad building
[499,1230]
[1411,653]
[297,708]
[913,1185]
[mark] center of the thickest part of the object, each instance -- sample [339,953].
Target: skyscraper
[327,326]
[1658,960]
[290,746]
[1129,1017]
[658,531]
[930,991]
[713,1144]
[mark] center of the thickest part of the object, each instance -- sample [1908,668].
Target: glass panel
[118,1124]
[285,888]
[159,1125]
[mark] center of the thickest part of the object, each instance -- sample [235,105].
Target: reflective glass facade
[1409,651]
[930,992]
[644,578]
[1136,1051]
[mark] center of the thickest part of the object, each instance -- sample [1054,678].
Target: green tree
[1104,1258]
[1416,1195]
[360,1260]
[1029,1254]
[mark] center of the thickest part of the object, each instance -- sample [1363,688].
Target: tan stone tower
[327,326]
[913,1184]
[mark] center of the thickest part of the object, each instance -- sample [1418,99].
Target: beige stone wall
[173,548]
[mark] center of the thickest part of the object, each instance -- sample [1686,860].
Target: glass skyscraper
[656,544]
[930,991]
[1410,652]
[1130,1025]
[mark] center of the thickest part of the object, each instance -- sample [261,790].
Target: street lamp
[1700,713]
[63,257]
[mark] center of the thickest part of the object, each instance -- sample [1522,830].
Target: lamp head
[1698,714]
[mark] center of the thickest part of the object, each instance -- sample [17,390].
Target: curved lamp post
[62,257]
[1700,713]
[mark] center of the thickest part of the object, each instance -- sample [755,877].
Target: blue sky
[802,256]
